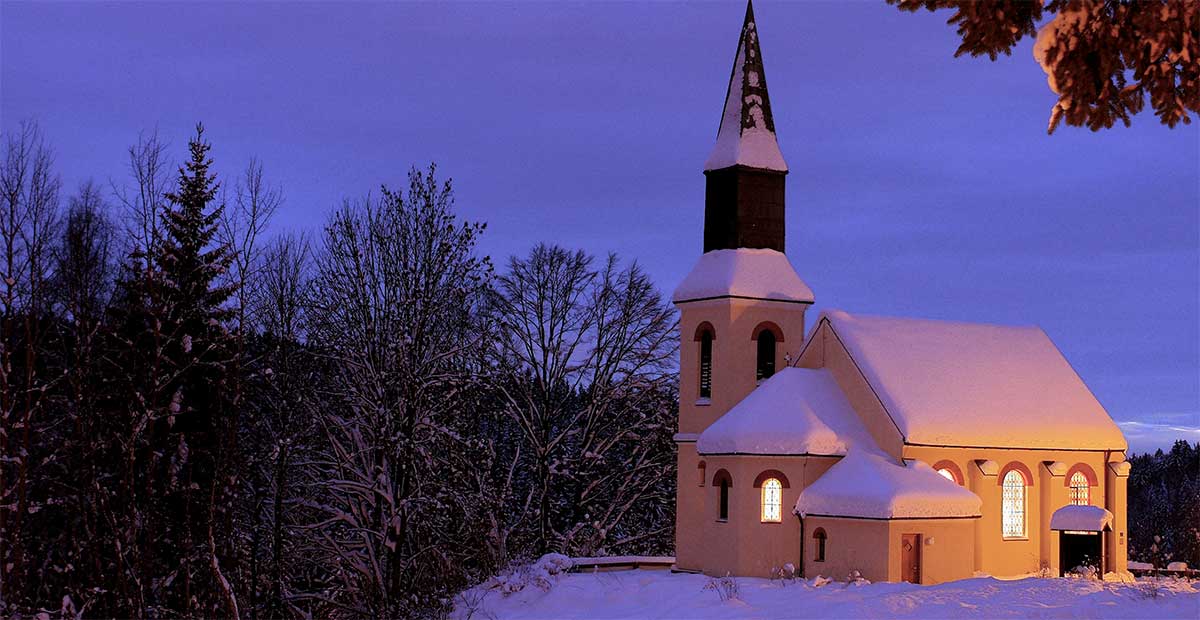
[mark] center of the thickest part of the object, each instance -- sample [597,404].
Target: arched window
[705,335]
[723,481]
[1014,505]
[772,501]
[949,471]
[1079,480]
[767,335]
[1081,491]
[701,466]
[819,545]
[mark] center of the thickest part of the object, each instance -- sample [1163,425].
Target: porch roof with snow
[747,273]
[870,485]
[795,412]
[1081,519]
[953,384]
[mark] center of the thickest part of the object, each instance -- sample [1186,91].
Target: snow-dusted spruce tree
[584,379]
[171,425]
[1102,58]
[28,211]
[395,309]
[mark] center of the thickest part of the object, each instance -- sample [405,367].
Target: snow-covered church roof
[868,484]
[752,273]
[969,384]
[796,411]
[747,133]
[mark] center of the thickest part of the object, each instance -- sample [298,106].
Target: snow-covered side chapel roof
[974,385]
[870,485]
[746,135]
[746,273]
[796,411]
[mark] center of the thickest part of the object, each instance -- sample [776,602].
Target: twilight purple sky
[920,184]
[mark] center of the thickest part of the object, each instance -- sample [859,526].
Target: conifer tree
[171,355]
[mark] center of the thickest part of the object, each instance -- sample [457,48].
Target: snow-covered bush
[1085,571]
[856,578]
[783,575]
[543,574]
[819,581]
[554,563]
[1121,577]
[513,581]
[726,587]
[1151,587]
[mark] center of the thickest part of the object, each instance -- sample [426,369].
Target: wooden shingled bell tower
[744,175]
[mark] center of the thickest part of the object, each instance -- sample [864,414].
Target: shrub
[726,587]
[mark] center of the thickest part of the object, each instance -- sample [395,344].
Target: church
[843,445]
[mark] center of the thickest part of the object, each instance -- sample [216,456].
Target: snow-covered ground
[662,594]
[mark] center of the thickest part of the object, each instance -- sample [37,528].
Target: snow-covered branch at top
[1102,58]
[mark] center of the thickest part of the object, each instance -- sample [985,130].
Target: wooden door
[910,558]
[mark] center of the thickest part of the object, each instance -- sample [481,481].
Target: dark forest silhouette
[201,421]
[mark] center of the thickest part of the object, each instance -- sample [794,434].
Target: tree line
[201,419]
[1164,506]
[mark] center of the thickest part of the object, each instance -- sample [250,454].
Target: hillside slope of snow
[662,594]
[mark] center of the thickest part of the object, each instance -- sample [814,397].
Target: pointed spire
[746,136]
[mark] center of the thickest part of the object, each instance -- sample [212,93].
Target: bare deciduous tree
[150,170]
[28,216]
[394,306]
[585,373]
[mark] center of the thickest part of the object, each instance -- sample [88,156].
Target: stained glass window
[1014,505]
[1081,491]
[772,501]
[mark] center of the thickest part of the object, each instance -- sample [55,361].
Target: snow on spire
[747,133]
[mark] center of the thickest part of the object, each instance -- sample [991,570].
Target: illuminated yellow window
[1081,491]
[1014,505]
[772,501]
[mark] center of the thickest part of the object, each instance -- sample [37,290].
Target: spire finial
[746,135]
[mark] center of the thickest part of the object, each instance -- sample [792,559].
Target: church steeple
[744,193]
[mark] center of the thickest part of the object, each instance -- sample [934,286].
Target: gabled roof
[796,411]
[945,383]
[870,485]
[746,135]
[746,273]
